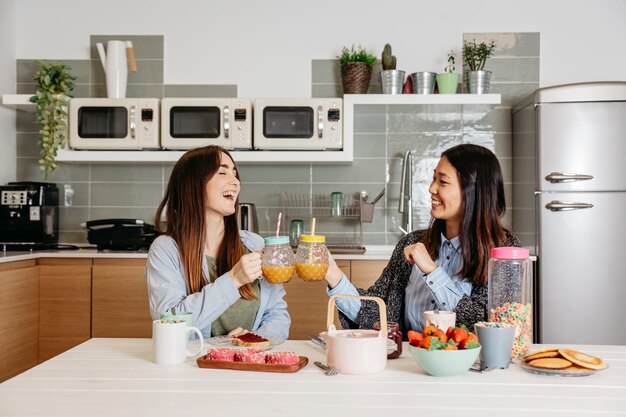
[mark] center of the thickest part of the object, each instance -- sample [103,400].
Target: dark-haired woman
[203,263]
[445,266]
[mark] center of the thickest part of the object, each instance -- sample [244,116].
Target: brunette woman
[203,263]
[445,266]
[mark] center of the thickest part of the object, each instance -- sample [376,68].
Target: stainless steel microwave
[188,123]
[114,123]
[298,123]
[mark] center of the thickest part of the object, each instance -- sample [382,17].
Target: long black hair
[482,187]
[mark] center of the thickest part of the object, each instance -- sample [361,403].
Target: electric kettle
[247,219]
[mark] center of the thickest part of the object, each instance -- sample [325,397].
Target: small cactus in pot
[391,79]
[388,60]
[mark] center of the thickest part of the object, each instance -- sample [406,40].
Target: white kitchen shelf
[261,157]
[18,101]
[469,102]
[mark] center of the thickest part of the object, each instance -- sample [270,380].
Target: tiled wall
[381,136]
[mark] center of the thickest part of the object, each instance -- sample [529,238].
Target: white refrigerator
[569,208]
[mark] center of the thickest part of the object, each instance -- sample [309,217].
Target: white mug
[441,319]
[169,342]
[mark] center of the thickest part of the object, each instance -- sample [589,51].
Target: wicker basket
[356,77]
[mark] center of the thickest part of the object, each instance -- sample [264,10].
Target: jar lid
[508,252]
[313,238]
[276,240]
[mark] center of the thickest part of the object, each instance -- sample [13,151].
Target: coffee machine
[29,215]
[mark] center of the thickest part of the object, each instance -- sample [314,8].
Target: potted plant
[475,56]
[54,88]
[391,79]
[447,82]
[356,69]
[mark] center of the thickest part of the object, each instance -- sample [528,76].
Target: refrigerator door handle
[563,177]
[556,205]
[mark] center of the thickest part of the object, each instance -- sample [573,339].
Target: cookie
[550,363]
[543,353]
[582,359]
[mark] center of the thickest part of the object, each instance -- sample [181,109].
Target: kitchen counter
[104,377]
[372,253]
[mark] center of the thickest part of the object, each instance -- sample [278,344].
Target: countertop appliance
[569,194]
[120,234]
[29,215]
[188,123]
[298,123]
[114,123]
[247,218]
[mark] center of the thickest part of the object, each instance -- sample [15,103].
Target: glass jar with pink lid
[510,292]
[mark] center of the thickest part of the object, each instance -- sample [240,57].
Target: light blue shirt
[442,288]
[167,288]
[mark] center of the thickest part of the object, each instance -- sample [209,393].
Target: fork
[330,371]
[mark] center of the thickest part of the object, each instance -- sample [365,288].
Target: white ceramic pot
[356,352]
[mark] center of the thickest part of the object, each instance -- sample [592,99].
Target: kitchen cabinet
[120,306]
[307,303]
[365,273]
[64,304]
[19,309]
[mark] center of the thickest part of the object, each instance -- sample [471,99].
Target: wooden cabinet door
[19,310]
[64,304]
[120,306]
[365,273]
[307,303]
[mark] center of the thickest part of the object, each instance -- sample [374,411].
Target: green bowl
[444,362]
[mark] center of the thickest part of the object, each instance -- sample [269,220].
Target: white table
[106,377]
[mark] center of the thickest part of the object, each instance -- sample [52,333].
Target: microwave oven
[298,123]
[114,123]
[188,123]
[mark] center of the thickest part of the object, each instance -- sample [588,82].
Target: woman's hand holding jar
[247,269]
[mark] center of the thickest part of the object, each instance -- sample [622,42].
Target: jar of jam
[278,261]
[394,334]
[312,258]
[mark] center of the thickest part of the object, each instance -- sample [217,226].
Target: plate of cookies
[243,341]
[562,362]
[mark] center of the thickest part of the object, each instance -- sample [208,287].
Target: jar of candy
[394,334]
[278,261]
[312,258]
[510,293]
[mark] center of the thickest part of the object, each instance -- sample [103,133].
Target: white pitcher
[115,66]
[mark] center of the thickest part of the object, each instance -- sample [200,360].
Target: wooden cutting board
[259,367]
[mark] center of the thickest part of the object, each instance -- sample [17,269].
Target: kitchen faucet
[406,194]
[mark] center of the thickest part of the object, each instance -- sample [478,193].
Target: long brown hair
[482,187]
[185,200]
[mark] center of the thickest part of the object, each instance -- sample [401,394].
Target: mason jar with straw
[277,258]
[312,256]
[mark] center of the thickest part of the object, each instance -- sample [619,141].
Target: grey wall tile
[26,68]
[325,71]
[27,145]
[142,213]
[70,218]
[253,173]
[519,44]
[148,72]
[369,122]
[421,144]
[25,122]
[361,171]
[215,90]
[370,145]
[132,90]
[505,70]
[125,194]
[127,173]
[269,195]
[27,169]
[513,93]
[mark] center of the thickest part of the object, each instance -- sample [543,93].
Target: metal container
[392,81]
[247,219]
[423,82]
[478,81]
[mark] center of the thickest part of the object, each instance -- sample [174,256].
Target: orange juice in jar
[277,260]
[312,258]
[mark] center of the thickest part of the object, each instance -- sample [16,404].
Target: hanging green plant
[54,89]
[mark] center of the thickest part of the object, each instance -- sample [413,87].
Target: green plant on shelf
[358,54]
[476,55]
[54,89]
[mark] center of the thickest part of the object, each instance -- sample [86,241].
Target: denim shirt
[167,288]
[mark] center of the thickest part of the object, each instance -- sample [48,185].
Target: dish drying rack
[355,209]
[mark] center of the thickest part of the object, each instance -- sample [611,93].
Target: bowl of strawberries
[444,354]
